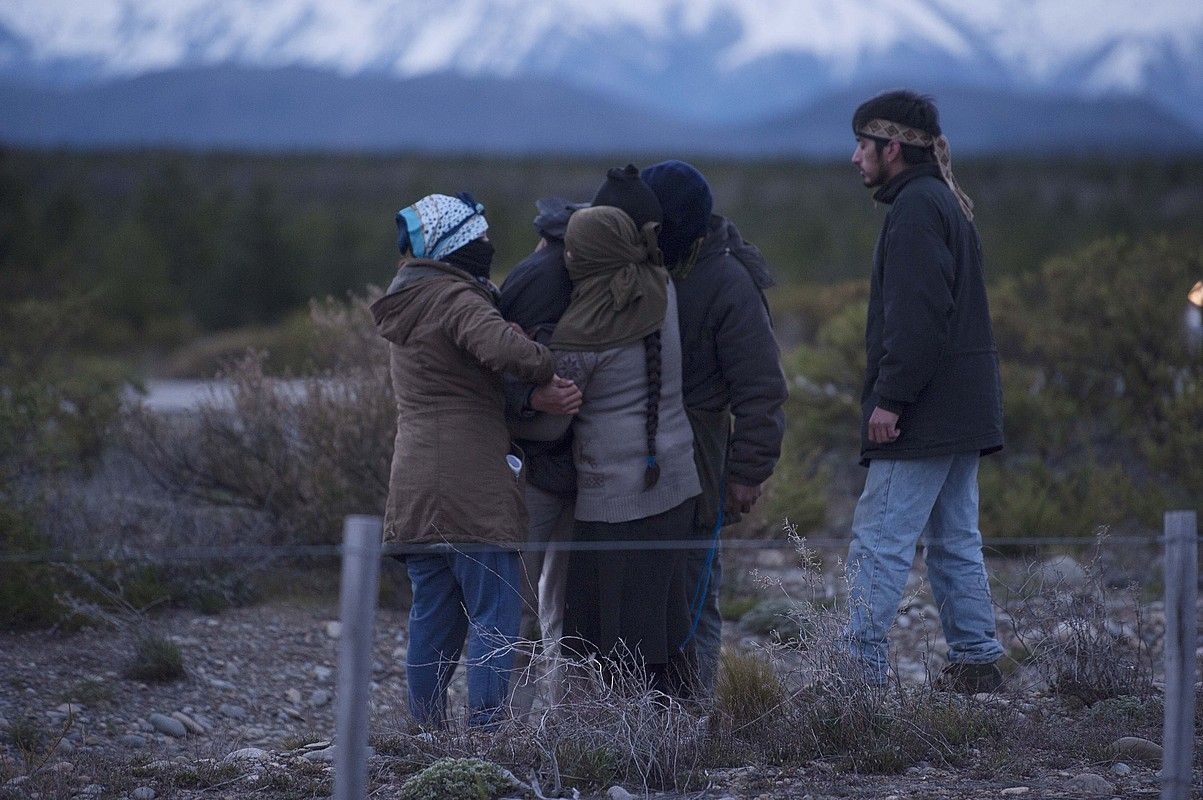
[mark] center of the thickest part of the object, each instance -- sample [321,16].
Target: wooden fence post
[1181,628]
[357,601]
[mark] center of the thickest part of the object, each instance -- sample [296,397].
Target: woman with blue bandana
[456,479]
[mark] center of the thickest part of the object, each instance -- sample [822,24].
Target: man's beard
[879,175]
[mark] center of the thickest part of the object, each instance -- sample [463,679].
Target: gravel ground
[261,680]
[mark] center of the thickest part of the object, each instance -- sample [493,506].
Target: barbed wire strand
[230,552]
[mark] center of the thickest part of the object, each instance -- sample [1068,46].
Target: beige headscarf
[905,134]
[619,288]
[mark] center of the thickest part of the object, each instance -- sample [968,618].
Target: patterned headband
[905,134]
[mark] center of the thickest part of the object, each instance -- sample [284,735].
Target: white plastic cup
[515,464]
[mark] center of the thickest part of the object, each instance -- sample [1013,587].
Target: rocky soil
[253,717]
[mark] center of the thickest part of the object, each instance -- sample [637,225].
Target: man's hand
[558,396]
[518,329]
[741,498]
[883,426]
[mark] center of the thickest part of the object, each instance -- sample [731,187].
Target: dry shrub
[788,703]
[827,711]
[871,729]
[797,700]
[291,343]
[613,720]
[155,659]
[748,693]
[301,454]
[612,727]
[1077,647]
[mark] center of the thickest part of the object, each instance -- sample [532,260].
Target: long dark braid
[651,349]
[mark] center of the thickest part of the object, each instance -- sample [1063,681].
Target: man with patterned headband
[932,403]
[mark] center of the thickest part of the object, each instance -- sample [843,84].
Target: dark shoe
[969,678]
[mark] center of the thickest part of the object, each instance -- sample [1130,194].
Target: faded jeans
[473,595]
[904,499]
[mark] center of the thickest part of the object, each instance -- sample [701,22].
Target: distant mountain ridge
[294,108]
[581,75]
[710,60]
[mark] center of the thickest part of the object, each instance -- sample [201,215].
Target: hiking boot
[969,678]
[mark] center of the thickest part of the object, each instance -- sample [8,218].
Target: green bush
[1102,399]
[1105,324]
[90,692]
[798,494]
[1030,499]
[58,401]
[290,345]
[779,618]
[1175,447]
[457,779]
[732,606]
[747,692]
[1037,421]
[1096,337]
[57,407]
[826,376]
[1091,343]
[28,736]
[155,659]
[28,591]
[589,764]
[822,416]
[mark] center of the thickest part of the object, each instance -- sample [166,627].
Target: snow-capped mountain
[750,76]
[709,59]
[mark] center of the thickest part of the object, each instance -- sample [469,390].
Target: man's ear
[892,151]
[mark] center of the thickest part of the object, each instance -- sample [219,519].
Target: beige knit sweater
[610,434]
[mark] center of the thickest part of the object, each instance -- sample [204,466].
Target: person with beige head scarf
[633,447]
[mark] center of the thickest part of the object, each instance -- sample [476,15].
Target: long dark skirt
[630,600]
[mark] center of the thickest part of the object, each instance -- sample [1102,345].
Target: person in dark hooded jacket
[734,388]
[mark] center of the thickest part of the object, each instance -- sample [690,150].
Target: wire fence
[282,551]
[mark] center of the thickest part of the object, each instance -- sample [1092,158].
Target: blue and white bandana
[438,225]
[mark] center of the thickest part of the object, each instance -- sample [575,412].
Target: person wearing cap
[932,402]
[734,388]
[451,482]
[535,295]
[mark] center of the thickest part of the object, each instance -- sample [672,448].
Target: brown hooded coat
[448,348]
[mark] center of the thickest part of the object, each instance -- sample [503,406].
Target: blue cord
[699,596]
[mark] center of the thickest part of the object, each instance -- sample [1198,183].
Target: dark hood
[723,237]
[686,202]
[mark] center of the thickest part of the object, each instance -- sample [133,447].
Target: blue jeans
[456,595]
[904,499]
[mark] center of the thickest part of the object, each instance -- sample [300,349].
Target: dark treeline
[118,265]
[167,245]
